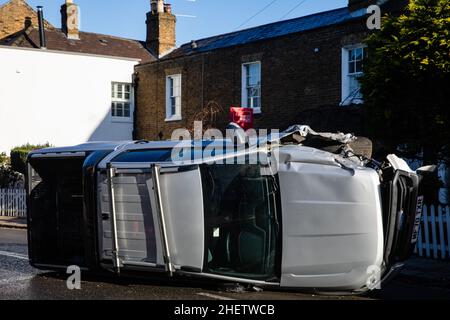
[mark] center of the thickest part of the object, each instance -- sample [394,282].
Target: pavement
[420,280]
[13,222]
[427,272]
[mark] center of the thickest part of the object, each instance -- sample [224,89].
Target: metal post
[113,218]
[156,184]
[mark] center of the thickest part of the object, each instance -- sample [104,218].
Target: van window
[242,222]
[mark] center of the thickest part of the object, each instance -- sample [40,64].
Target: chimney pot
[168,8]
[70,20]
[157,6]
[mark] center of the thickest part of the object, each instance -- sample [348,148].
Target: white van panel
[332,225]
[182,198]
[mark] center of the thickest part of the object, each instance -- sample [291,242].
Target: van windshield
[242,222]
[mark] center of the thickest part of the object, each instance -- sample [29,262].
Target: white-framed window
[173,97]
[121,100]
[352,69]
[251,86]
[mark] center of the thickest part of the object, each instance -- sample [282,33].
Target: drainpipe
[42,40]
[135,91]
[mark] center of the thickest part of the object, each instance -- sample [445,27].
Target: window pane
[127,88]
[173,106]
[177,81]
[119,91]
[359,54]
[113,109]
[354,87]
[171,86]
[253,74]
[351,55]
[126,111]
[351,67]
[256,102]
[119,110]
[254,92]
[359,66]
[177,91]
[113,94]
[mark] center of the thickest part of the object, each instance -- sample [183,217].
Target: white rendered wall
[60,98]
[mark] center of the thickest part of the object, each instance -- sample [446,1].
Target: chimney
[161,23]
[42,40]
[70,20]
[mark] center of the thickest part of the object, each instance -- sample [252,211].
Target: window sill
[121,120]
[173,119]
[257,111]
[350,103]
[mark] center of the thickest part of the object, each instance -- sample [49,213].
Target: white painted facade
[60,98]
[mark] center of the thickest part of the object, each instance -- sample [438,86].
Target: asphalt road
[18,280]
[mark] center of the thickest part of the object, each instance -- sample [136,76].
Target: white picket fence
[434,234]
[13,203]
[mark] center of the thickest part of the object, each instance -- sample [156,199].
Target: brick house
[302,70]
[16,15]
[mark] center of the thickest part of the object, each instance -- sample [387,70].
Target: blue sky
[212,17]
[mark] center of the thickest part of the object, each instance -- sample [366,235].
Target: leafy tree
[406,84]
[4,159]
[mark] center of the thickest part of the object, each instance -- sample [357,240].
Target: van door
[129,235]
[152,218]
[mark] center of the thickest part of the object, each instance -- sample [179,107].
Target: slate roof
[89,43]
[268,31]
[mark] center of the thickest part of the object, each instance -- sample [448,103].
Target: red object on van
[242,116]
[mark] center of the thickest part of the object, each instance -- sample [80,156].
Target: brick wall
[13,16]
[161,32]
[295,78]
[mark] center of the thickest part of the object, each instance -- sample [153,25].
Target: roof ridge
[265,25]
[88,32]
[6,3]
[95,33]
[111,36]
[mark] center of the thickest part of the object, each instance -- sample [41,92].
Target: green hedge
[19,156]
[8,177]
[4,159]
